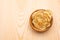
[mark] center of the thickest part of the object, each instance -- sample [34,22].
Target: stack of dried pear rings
[41,20]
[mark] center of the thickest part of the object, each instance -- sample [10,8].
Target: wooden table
[14,19]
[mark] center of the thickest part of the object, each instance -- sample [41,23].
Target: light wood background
[14,19]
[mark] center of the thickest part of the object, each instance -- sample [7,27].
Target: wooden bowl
[37,29]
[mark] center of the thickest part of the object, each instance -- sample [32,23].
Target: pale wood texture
[24,29]
[14,19]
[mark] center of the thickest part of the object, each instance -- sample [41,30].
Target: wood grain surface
[14,19]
